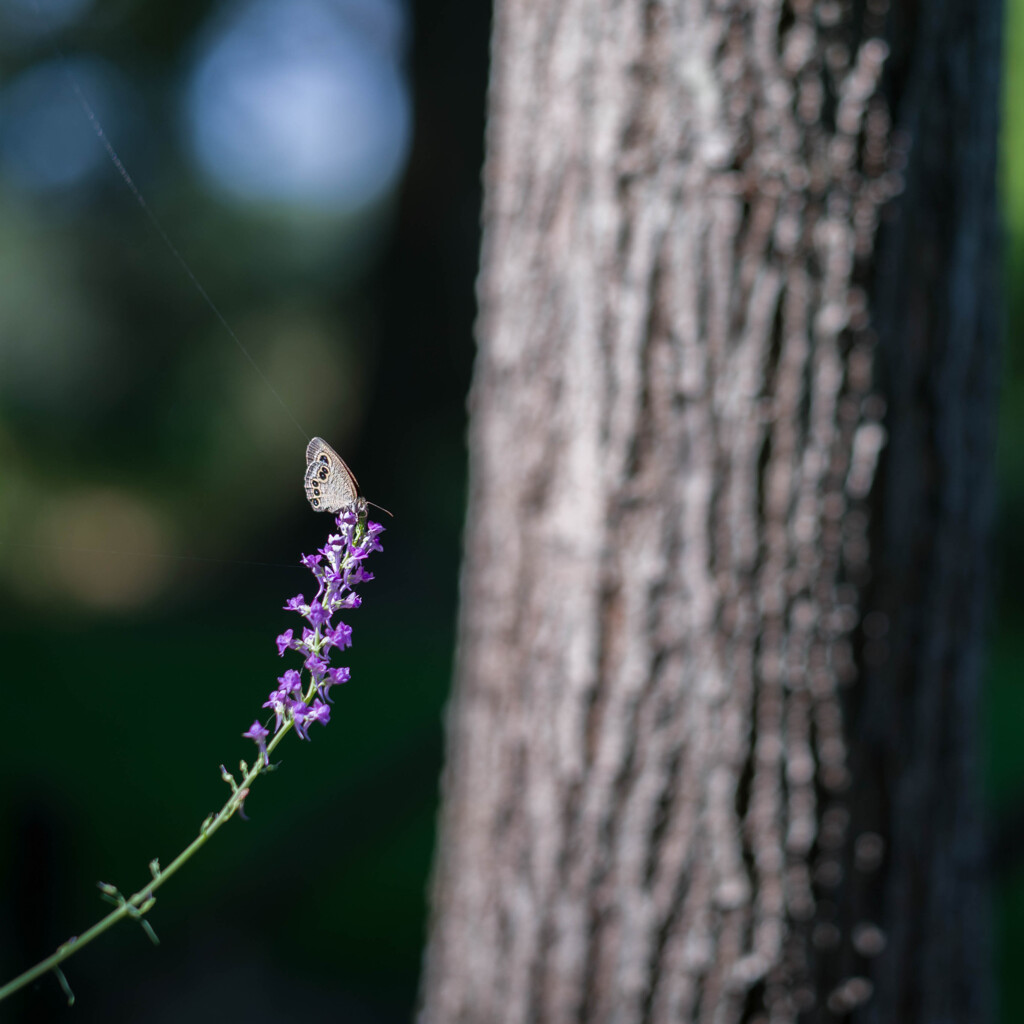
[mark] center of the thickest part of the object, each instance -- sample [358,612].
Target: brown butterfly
[330,485]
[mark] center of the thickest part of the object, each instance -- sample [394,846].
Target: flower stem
[138,904]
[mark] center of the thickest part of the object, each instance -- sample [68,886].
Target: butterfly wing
[315,447]
[330,484]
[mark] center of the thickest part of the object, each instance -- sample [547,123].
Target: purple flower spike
[337,569]
[259,735]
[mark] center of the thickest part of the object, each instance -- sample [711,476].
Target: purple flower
[300,712]
[319,712]
[258,734]
[291,682]
[318,614]
[295,604]
[340,636]
[311,561]
[333,677]
[317,665]
[278,702]
[284,641]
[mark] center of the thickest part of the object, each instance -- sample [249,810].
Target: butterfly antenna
[381,507]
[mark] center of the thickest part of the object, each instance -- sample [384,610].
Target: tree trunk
[713,743]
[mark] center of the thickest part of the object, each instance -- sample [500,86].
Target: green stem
[138,904]
[133,906]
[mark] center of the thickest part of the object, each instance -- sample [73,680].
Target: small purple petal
[320,712]
[317,614]
[284,641]
[300,712]
[333,677]
[259,736]
[291,682]
[340,636]
[316,665]
[277,703]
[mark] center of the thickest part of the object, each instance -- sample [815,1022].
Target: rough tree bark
[712,748]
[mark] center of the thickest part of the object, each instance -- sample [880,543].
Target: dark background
[151,511]
[144,469]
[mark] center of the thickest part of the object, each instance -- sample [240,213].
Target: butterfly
[330,485]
